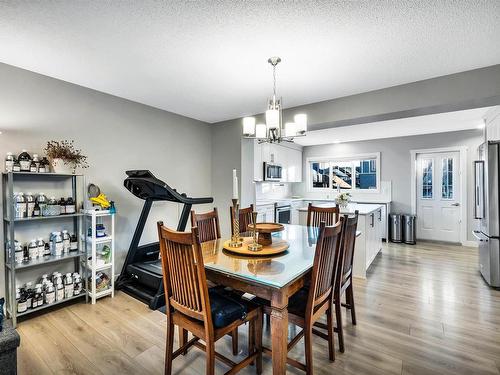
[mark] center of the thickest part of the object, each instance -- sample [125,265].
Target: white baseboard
[470,244]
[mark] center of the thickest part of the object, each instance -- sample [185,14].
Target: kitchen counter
[363,209]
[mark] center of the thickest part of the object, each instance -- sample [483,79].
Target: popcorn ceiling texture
[207,59]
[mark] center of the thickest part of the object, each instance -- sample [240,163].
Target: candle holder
[235,238]
[254,246]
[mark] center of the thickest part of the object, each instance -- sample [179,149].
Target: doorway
[438,194]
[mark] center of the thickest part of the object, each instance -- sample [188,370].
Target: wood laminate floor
[422,310]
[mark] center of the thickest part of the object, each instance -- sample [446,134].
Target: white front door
[438,196]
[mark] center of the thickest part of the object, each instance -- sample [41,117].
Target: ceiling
[207,59]
[429,124]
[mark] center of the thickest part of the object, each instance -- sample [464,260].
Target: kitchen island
[369,242]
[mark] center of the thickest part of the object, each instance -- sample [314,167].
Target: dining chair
[316,215]
[310,303]
[209,230]
[344,283]
[245,218]
[207,314]
[207,223]
[344,278]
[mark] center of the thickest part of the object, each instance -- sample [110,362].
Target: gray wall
[226,156]
[396,163]
[116,134]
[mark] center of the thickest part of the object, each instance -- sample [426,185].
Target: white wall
[116,134]
[395,162]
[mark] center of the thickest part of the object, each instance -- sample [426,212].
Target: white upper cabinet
[289,158]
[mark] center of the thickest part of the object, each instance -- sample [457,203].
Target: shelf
[50,305]
[100,240]
[97,213]
[97,268]
[102,293]
[43,174]
[43,261]
[42,218]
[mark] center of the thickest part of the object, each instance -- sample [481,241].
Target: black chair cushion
[225,310]
[296,304]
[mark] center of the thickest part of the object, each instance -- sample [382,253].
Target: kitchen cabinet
[265,213]
[289,158]
[294,217]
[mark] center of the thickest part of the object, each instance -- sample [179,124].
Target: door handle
[456,204]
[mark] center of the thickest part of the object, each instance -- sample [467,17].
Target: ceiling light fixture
[273,130]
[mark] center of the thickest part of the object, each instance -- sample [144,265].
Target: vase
[343,204]
[59,166]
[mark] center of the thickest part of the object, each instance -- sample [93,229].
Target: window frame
[336,159]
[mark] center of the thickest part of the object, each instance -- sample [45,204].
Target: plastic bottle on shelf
[50,293]
[59,286]
[40,244]
[66,241]
[22,303]
[33,250]
[38,298]
[70,206]
[33,167]
[68,286]
[36,161]
[16,167]
[9,162]
[73,243]
[25,161]
[62,204]
[19,206]
[30,204]
[41,199]
[77,284]
[29,294]
[19,253]
[47,252]
[44,166]
[57,244]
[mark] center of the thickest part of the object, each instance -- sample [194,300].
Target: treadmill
[141,275]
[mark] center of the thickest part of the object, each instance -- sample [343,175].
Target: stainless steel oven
[272,172]
[283,213]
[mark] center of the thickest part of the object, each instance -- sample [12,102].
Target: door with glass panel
[438,196]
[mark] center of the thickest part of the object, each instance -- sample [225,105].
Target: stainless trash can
[396,228]
[410,229]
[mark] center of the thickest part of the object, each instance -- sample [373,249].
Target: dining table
[274,278]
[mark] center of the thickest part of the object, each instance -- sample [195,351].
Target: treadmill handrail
[140,177]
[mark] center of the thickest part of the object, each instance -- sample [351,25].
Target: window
[447,185]
[427,178]
[356,173]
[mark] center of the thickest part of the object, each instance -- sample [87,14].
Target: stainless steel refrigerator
[487,210]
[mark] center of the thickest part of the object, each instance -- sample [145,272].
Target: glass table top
[276,271]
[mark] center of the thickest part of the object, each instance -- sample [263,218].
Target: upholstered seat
[225,310]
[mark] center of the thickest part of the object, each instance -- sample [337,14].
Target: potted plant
[343,199]
[64,157]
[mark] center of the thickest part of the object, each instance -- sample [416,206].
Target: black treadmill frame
[150,252]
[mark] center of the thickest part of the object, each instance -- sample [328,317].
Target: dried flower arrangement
[66,151]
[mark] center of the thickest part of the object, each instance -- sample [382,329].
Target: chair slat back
[325,264]
[184,277]
[208,225]
[317,215]
[245,218]
[348,243]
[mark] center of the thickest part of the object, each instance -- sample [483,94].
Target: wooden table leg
[279,332]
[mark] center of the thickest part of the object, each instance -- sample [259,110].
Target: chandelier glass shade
[274,130]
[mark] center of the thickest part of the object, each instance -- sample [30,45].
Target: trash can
[410,229]
[396,228]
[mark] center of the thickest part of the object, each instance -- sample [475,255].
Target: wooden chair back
[325,266]
[317,215]
[184,277]
[208,225]
[348,244]
[245,218]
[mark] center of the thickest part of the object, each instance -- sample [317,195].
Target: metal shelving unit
[11,225]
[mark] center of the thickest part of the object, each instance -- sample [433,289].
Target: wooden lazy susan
[276,247]
[265,231]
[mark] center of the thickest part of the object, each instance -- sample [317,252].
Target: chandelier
[273,130]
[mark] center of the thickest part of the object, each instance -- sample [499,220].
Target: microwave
[272,172]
